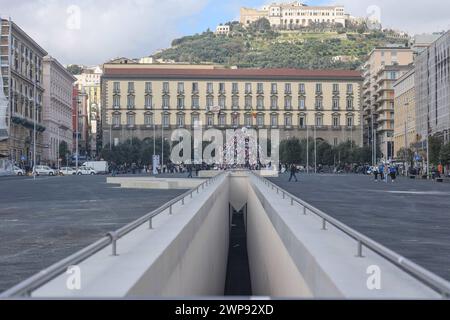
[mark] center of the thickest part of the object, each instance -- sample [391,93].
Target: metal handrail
[25,288]
[430,279]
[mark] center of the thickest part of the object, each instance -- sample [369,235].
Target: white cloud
[407,15]
[107,28]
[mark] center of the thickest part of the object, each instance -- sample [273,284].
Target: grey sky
[109,28]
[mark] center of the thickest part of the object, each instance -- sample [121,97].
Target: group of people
[384,171]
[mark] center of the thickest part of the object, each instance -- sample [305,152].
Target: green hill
[261,47]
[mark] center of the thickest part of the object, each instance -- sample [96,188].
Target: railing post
[114,237]
[198,190]
[170,209]
[150,223]
[278,191]
[192,194]
[284,195]
[304,210]
[360,250]
[292,201]
[182,202]
[324,224]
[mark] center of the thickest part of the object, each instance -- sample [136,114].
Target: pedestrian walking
[189,169]
[375,173]
[393,173]
[293,170]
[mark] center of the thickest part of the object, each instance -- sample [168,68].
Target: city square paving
[410,217]
[44,221]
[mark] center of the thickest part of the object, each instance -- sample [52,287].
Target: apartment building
[295,15]
[57,116]
[139,99]
[383,68]
[21,61]
[405,134]
[432,79]
[89,83]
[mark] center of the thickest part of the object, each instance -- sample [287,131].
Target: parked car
[18,171]
[67,171]
[85,171]
[44,171]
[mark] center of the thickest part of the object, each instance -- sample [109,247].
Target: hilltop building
[295,15]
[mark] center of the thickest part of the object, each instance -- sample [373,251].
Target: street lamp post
[307,149]
[34,127]
[315,149]
[77,133]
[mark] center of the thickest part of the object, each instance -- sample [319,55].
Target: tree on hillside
[261,25]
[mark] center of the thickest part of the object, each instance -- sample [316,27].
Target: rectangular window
[288,121]
[222,87]
[166,102]
[195,103]
[209,88]
[248,102]
[260,120]
[235,120]
[166,87]
[319,103]
[210,120]
[274,89]
[131,102]
[318,88]
[148,87]
[130,87]
[349,88]
[319,121]
[335,88]
[195,87]
[195,120]
[116,120]
[235,88]
[116,102]
[248,120]
[148,102]
[260,103]
[222,120]
[287,88]
[302,103]
[288,103]
[274,103]
[335,104]
[335,122]
[349,104]
[274,120]
[166,121]
[148,120]
[235,102]
[180,87]
[131,120]
[248,88]
[180,103]
[209,102]
[349,121]
[116,87]
[301,88]
[302,122]
[180,120]
[260,88]
[222,102]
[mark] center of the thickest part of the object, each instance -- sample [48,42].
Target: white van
[100,167]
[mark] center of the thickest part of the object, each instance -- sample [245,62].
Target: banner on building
[4,127]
